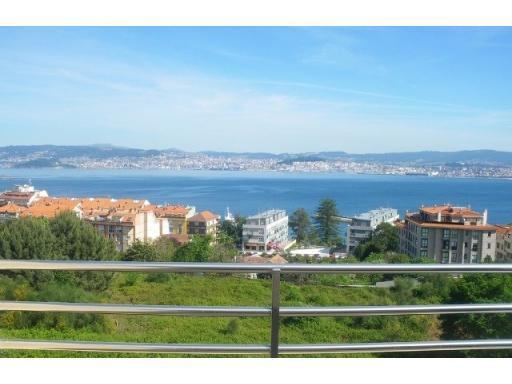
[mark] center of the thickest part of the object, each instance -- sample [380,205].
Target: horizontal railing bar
[86,346]
[421,346]
[132,309]
[395,310]
[136,309]
[133,266]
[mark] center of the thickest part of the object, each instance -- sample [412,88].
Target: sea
[247,193]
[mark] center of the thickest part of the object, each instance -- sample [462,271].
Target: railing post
[276,298]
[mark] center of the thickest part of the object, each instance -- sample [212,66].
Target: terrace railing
[275,311]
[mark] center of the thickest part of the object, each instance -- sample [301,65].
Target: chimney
[485,216]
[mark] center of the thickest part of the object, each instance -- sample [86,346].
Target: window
[424,243]
[454,245]
[424,232]
[446,233]
[423,253]
[454,234]
[446,244]
[488,245]
[445,258]
[475,247]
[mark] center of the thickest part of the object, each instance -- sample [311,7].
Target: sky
[288,89]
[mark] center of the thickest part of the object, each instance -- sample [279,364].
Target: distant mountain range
[52,155]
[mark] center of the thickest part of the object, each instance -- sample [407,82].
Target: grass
[218,290]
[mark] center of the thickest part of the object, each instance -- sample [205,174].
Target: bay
[250,192]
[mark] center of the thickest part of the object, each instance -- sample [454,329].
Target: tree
[233,229]
[480,288]
[140,251]
[64,237]
[199,249]
[165,248]
[383,240]
[327,223]
[300,225]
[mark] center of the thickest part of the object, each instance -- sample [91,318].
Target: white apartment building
[361,227]
[265,231]
[22,195]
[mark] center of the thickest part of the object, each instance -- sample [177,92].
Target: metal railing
[275,311]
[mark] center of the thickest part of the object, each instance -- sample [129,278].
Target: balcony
[275,311]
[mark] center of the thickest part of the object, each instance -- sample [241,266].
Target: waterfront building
[177,216]
[122,220]
[50,207]
[22,195]
[125,227]
[265,231]
[448,234]
[504,244]
[204,223]
[10,211]
[361,227]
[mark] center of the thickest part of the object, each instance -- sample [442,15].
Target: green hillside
[223,290]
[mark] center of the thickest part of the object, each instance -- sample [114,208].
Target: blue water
[249,192]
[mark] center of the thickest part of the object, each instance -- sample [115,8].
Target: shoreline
[248,171]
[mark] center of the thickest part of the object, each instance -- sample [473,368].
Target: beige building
[122,220]
[177,216]
[504,244]
[125,227]
[448,234]
[10,211]
[204,223]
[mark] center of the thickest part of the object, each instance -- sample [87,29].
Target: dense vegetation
[67,238]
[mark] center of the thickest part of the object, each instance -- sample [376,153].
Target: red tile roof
[172,211]
[204,216]
[446,225]
[11,208]
[448,210]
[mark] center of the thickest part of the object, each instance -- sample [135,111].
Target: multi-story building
[52,206]
[448,234]
[361,227]
[122,220]
[177,216]
[265,231]
[504,244]
[22,195]
[127,226]
[204,223]
[10,211]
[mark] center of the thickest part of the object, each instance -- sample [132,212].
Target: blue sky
[258,89]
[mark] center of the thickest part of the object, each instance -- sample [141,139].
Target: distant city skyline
[358,90]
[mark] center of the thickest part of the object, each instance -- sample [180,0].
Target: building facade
[126,227]
[177,216]
[22,195]
[204,223]
[448,234]
[503,244]
[362,226]
[265,231]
